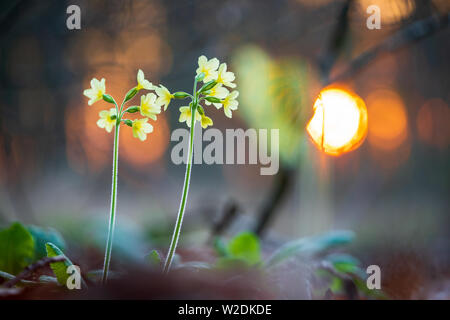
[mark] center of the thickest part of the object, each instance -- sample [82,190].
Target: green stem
[112,216]
[187,178]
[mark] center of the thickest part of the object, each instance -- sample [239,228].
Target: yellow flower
[186,114]
[164,96]
[206,121]
[142,82]
[141,128]
[225,77]
[106,120]
[149,106]
[230,103]
[208,67]
[96,92]
[218,91]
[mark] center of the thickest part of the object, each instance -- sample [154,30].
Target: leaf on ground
[43,235]
[59,268]
[310,246]
[245,246]
[16,248]
[154,259]
[343,262]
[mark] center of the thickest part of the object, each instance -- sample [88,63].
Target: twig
[229,214]
[411,33]
[32,268]
[336,42]
[8,276]
[283,182]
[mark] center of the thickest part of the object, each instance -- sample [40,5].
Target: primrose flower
[107,119]
[149,106]
[229,103]
[96,92]
[218,91]
[225,77]
[164,96]
[208,67]
[186,114]
[206,121]
[142,82]
[141,128]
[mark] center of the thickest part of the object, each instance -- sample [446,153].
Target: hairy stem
[187,178]
[112,215]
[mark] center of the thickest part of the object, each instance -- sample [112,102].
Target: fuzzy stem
[112,216]
[187,178]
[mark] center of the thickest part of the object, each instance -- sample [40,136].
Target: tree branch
[411,33]
[32,268]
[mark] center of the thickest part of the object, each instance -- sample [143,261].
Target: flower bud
[180,95]
[213,99]
[131,94]
[208,86]
[200,77]
[128,122]
[132,109]
[108,98]
[200,110]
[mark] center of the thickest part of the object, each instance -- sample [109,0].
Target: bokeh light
[388,119]
[339,123]
[139,153]
[433,121]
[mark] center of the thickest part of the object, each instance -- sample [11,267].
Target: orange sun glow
[339,122]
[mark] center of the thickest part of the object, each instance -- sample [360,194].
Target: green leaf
[336,285]
[59,268]
[245,246]
[343,262]
[43,235]
[16,248]
[154,258]
[310,246]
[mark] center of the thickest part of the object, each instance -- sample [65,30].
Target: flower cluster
[215,82]
[150,106]
[216,90]
[216,85]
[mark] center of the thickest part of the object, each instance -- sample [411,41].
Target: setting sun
[339,123]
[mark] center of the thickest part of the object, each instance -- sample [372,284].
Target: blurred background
[55,163]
